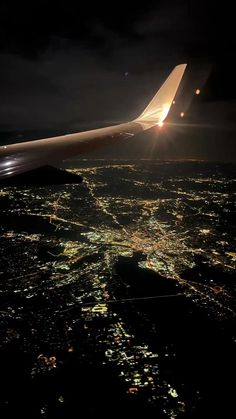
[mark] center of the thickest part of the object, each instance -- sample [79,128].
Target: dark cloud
[68,85]
[169,19]
[67,68]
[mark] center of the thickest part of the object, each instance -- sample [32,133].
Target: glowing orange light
[182,114]
[197,91]
[133,390]
[160,124]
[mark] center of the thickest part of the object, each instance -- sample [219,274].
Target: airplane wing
[23,157]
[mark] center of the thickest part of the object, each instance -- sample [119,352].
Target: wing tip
[181,67]
[159,106]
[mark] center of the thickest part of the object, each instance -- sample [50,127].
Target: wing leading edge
[22,157]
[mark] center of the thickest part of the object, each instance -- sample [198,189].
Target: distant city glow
[168,245]
[182,114]
[197,91]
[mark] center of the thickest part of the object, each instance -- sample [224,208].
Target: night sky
[74,66]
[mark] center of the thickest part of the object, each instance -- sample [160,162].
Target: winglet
[158,109]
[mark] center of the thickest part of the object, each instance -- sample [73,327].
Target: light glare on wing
[157,110]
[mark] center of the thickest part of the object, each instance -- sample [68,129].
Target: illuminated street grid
[63,242]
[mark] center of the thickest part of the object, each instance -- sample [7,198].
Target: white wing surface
[23,157]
